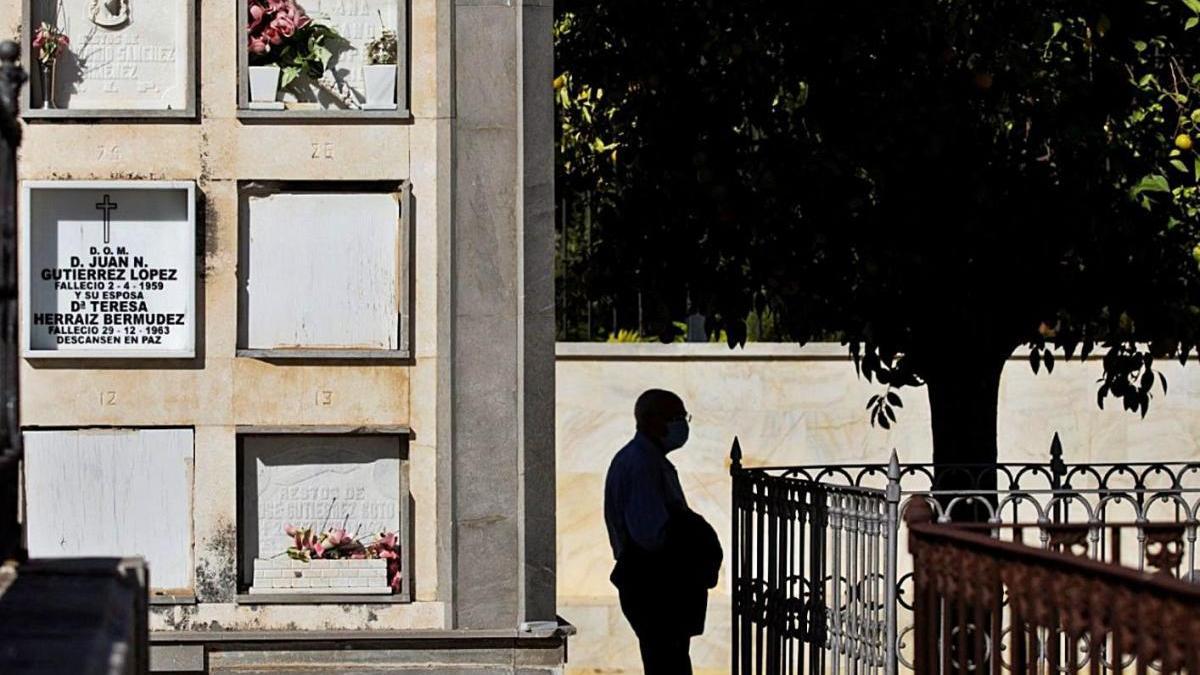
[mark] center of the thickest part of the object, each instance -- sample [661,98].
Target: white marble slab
[134,60]
[322,271]
[109,269]
[113,493]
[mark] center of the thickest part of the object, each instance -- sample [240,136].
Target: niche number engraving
[322,150]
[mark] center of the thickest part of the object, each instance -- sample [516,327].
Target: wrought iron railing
[984,605]
[12,76]
[782,590]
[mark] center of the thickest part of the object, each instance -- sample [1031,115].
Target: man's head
[661,416]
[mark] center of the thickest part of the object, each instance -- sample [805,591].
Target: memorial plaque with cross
[111,269]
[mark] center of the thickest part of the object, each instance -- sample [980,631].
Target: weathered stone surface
[503,315]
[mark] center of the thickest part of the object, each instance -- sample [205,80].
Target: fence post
[892,532]
[735,473]
[12,77]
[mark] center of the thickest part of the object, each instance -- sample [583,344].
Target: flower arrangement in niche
[280,33]
[379,72]
[382,50]
[49,43]
[338,544]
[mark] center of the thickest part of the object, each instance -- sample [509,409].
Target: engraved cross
[108,206]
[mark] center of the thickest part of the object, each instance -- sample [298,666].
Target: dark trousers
[665,655]
[660,630]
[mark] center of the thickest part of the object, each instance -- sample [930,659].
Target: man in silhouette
[667,555]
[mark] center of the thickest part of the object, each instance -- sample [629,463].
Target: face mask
[677,435]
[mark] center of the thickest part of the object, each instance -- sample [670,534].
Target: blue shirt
[641,491]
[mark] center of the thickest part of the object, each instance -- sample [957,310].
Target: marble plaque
[321,271]
[318,482]
[359,22]
[112,493]
[109,269]
[124,54]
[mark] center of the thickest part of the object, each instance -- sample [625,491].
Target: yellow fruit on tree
[560,82]
[1183,142]
[1196,253]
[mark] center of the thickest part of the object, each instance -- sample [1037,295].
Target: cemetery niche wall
[323,58]
[121,58]
[354,485]
[109,269]
[324,271]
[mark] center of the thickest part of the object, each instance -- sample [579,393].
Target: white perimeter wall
[793,405]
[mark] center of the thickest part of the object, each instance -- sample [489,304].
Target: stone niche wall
[792,405]
[279,342]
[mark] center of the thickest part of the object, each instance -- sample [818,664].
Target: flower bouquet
[49,43]
[333,561]
[284,44]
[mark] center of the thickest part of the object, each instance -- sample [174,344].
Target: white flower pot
[340,577]
[264,84]
[380,82]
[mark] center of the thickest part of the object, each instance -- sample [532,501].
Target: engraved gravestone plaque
[123,54]
[320,482]
[109,269]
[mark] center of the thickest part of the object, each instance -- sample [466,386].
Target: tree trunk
[963,396]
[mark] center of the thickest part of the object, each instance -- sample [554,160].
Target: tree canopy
[934,182]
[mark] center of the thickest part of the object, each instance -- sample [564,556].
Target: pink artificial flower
[259,46]
[257,14]
[39,40]
[289,530]
[271,35]
[284,25]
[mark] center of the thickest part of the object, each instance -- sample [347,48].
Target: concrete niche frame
[138,64]
[345,64]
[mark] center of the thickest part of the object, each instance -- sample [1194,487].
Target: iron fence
[986,605]
[852,583]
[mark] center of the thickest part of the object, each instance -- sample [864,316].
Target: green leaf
[1179,165]
[1139,45]
[324,55]
[1151,183]
[1193,5]
[1191,23]
[290,73]
[1196,167]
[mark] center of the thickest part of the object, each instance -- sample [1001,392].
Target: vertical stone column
[502,369]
